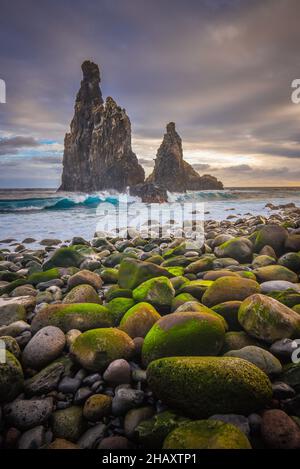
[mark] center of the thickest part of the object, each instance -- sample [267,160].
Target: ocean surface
[46,214]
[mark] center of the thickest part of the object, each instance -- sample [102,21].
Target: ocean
[40,213]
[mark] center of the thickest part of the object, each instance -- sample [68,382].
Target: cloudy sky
[221,69]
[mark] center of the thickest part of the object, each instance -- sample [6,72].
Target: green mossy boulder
[201,265]
[176,271]
[271,235]
[180,300]
[240,249]
[64,257]
[275,272]
[179,282]
[139,319]
[82,316]
[118,307]
[68,423]
[181,261]
[184,334]
[229,289]
[11,378]
[288,297]
[152,432]
[82,294]
[133,272]
[263,261]
[206,434]
[196,288]
[237,340]
[259,357]
[229,311]
[115,292]
[268,320]
[39,277]
[204,386]
[157,291]
[291,261]
[109,275]
[11,310]
[95,349]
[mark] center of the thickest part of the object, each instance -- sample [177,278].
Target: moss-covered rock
[11,345]
[181,299]
[289,297]
[259,357]
[266,319]
[177,271]
[271,235]
[95,349]
[206,434]
[82,294]
[184,334]
[229,310]
[152,432]
[215,274]
[133,272]
[240,249]
[275,272]
[115,292]
[64,257]
[39,277]
[291,261]
[204,386]
[201,265]
[139,319]
[237,340]
[68,423]
[296,308]
[157,291]
[118,307]
[262,261]
[109,275]
[11,310]
[229,289]
[181,261]
[82,316]
[11,378]
[179,281]
[96,407]
[85,277]
[196,288]
[292,242]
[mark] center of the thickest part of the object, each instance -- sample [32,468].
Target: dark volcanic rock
[98,152]
[149,193]
[173,173]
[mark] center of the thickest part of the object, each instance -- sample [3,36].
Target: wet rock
[118,372]
[25,414]
[45,346]
[126,399]
[32,439]
[279,431]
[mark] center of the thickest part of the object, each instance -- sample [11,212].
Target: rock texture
[173,173]
[149,193]
[98,152]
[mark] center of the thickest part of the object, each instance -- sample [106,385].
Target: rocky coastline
[143,343]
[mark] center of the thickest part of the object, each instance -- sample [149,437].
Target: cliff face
[98,153]
[175,174]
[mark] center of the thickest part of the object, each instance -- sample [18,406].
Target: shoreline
[83,321]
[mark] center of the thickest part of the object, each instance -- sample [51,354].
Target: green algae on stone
[240,249]
[68,423]
[82,294]
[275,272]
[157,291]
[39,277]
[184,334]
[263,260]
[236,340]
[133,272]
[229,289]
[267,319]
[64,257]
[115,292]
[95,349]
[176,271]
[196,288]
[179,282]
[291,261]
[178,261]
[139,319]
[118,307]
[206,434]
[203,264]
[288,297]
[109,275]
[203,386]
[271,235]
[152,432]
[229,311]
[11,378]
[180,300]
[82,316]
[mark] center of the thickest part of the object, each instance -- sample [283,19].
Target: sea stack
[173,173]
[97,150]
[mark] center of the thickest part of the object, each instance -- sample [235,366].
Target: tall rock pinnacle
[98,153]
[172,172]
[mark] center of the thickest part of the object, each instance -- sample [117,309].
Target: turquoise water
[44,213]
